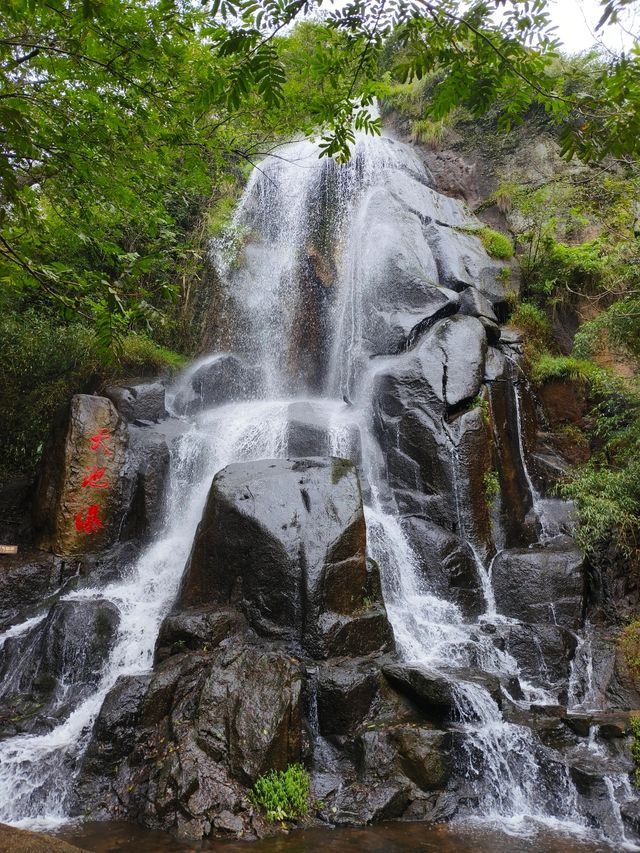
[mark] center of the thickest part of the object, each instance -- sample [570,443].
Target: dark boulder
[475,304]
[543,584]
[197,628]
[345,695]
[225,378]
[309,430]
[425,755]
[437,694]
[27,579]
[207,726]
[447,564]
[56,664]
[147,480]
[543,652]
[142,401]
[78,636]
[285,542]
[452,359]
[78,506]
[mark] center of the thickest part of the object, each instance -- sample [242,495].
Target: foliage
[44,362]
[124,122]
[634,721]
[498,245]
[534,325]
[283,794]
[629,642]
[491,486]
[616,328]
[548,367]
[607,489]
[473,58]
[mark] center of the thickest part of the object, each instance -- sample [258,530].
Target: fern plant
[282,794]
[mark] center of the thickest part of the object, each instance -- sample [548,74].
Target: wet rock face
[143,401]
[285,542]
[542,584]
[199,733]
[78,502]
[452,359]
[26,579]
[237,691]
[437,457]
[56,664]
[447,565]
[543,652]
[225,379]
[146,482]
[308,434]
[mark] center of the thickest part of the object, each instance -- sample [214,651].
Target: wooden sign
[8,549]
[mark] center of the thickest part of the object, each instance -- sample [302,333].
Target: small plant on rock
[282,794]
[634,721]
[491,486]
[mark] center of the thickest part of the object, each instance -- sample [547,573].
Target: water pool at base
[384,838]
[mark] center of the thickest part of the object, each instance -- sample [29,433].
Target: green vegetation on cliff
[283,794]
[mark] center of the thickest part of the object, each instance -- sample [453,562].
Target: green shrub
[491,486]
[533,323]
[629,642]
[634,720]
[548,367]
[283,794]
[497,245]
[43,362]
[608,504]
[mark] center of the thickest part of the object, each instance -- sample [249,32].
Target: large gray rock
[543,652]
[223,379]
[543,584]
[345,695]
[27,579]
[447,564]
[78,506]
[475,304]
[45,672]
[146,484]
[452,359]
[427,457]
[139,401]
[285,541]
[462,261]
[436,693]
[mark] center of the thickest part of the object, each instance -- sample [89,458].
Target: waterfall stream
[324,343]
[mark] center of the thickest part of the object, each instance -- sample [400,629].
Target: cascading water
[307,264]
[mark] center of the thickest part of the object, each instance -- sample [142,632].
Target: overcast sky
[577,19]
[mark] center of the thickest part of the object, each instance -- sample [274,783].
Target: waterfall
[326,271]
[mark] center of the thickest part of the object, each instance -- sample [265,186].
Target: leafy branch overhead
[482,59]
[124,121]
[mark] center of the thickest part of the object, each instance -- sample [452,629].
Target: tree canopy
[121,119]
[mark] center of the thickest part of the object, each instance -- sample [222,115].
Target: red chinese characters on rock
[100,439]
[89,521]
[94,479]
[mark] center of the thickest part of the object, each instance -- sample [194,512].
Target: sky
[577,19]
